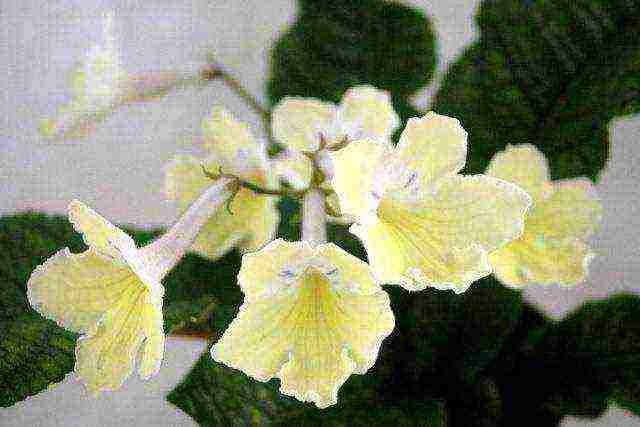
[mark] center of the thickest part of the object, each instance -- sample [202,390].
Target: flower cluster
[314,314]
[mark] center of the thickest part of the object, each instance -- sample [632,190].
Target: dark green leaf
[215,395]
[41,351]
[457,334]
[549,73]
[335,45]
[577,366]
[34,354]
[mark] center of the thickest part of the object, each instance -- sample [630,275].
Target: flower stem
[314,217]
[217,71]
[250,186]
[166,251]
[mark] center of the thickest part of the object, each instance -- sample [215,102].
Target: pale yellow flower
[421,222]
[552,249]
[364,112]
[312,316]
[109,293]
[254,218]
[100,85]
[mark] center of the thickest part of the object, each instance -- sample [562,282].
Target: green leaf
[334,45]
[34,355]
[41,351]
[577,366]
[214,395]
[552,74]
[457,333]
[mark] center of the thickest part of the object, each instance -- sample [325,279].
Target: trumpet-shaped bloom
[364,112]
[254,218]
[100,85]
[421,222]
[564,213]
[110,294]
[312,316]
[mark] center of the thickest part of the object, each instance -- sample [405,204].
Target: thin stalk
[314,217]
[165,252]
[218,71]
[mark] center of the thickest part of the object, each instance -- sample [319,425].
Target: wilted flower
[312,316]
[421,222]
[112,292]
[253,218]
[100,85]
[564,213]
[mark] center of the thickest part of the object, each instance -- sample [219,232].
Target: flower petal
[184,180]
[261,271]
[105,358]
[525,166]
[313,333]
[356,168]
[252,223]
[233,146]
[298,122]
[474,209]
[153,346]
[572,210]
[442,239]
[264,224]
[367,112]
[355,274]
[295,168]
[530,260]
[97,90]
[410,256]
[98,232]
[431,147]
[74,289]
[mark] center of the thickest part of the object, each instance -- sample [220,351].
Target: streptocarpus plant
[313,314]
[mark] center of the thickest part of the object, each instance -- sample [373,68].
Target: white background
[119,170]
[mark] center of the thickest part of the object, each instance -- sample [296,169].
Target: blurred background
[119,170]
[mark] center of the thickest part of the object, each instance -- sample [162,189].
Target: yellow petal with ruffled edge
[529,260]
[110,294]
[415,259]
[297,123]
[355,168]
[311,317]
[525,166]
[98,232]
[295,168]
[367,112]
[442,239]
[430,147]
[74,289]
[551,250]
[153,347]
[106,357]
[253,219]
[572,210]
[91,294]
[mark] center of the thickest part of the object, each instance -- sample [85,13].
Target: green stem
[253,187]
[215,71]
